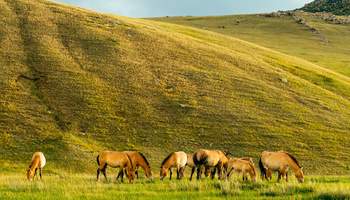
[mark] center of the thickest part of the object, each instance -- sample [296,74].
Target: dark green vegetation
[74,82]
[338,7]
[84,187]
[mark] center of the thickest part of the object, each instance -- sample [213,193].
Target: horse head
[130,174]
[163,173]
[30,173]
[299,174]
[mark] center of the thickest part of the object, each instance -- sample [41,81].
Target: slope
[74,82]
[319,38]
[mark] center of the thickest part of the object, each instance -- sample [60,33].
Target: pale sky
[154,8]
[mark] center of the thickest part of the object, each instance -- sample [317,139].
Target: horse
[210,159]
[176,160]
[115,159]
[38,162]
[138,160]
[281,162]
[243,166]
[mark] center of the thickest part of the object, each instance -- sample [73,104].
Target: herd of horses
[211,162]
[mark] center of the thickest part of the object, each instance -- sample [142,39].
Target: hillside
[75,82]
[319,38]
[338,7]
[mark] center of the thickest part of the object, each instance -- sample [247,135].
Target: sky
[156,8]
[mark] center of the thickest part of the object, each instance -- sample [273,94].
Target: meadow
[83,186]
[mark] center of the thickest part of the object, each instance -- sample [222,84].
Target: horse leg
[171,173]
[199,172]
[286,176]
[137,173]
[220,169]
[229,173]
[182,172]
[244,178]
[104,172]
[268,175]
[119,174]
[212,173]
[279,176]
[178,173]
[122,175]
[192,172]
[40,173]
[35,173]
[98,174]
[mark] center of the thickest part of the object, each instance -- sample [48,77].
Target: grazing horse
[281,162]
[176,160]
[242,166]
[38,162]
[138,160]
[210,159]
[115,159]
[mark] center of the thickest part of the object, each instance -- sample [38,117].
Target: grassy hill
[318,38]
[74,82]
[338,7]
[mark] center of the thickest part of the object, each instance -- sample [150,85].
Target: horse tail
[199,160]
[253,168]
[196,160]
[294,159]
[262,169]
[98,160]
[130,161]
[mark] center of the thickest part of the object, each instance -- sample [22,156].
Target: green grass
[74,82]
[85,187]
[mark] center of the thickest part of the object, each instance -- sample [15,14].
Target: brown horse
[138,160]
[176,160]
[38,162]
[210,159]
[242,166]
[115,159]
[281,162]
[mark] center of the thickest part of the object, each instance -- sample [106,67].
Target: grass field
[85,187]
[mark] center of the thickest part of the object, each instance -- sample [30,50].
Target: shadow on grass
[329,196]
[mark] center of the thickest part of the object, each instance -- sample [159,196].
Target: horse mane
[144,158]
[253,167]
[167,158]
[132,165]
[294,159]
